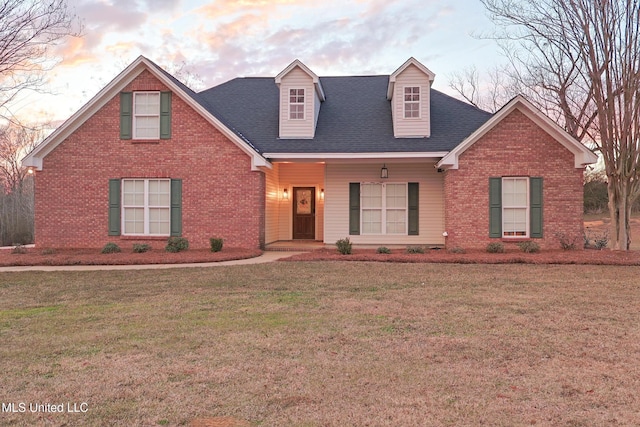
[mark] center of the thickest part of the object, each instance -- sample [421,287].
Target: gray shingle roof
[355,118]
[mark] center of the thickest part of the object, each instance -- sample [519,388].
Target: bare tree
[579,61]
[29,29]
[16,184]
[488,93]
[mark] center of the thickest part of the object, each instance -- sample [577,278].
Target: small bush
[457,250]
[415,250]
[19,249]
[344,246]
[567,243]
[383,250]
[600,240]
[177,244]
[111,248]
[216,244]
[495,248]
[141,248]
[529,247]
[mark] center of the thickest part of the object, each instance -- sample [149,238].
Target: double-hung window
[146,207]
[515,207]
[412,102]
[146,115]
[296,104]
[384,208]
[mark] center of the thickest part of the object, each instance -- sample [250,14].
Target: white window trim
[135,115]
[303,103]
[384,210]
[418,102]
[527,207]
[146,207]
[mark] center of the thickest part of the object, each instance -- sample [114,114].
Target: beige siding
[297,79]
[431,195]
[415,127]
[299,175]
[272,205]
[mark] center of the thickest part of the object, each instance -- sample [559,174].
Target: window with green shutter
[354,208]
[515,207]
[126,115]
[145,207]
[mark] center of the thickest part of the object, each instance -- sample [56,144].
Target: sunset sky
[222,39]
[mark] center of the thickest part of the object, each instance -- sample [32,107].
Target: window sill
[143,237]
[145,141]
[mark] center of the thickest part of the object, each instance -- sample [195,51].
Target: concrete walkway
[265,257]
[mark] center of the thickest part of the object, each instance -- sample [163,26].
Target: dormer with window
[409,91]
[300,96]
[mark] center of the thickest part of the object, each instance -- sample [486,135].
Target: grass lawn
[324,344]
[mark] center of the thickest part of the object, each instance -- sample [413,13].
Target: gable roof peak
[297,63]
[411,61]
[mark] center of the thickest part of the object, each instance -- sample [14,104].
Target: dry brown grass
[315,344]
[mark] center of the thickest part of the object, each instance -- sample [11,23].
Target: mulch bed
[587,256]
[94,257]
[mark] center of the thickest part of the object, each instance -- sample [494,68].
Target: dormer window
[296,104]
[412,102]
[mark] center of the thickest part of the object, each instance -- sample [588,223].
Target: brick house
[382,159]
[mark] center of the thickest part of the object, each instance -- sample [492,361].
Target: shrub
[495,248]
[141,248]
[383,250]
[216,244]
[457,250]
[567,243]
[415,250]
[48,251]
[600,240]
[529,247]
[177,244]
[111,248]
[344,246]
[19,249]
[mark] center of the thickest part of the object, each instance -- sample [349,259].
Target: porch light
[384,172]
[30,171]
[322,194]
[285,194]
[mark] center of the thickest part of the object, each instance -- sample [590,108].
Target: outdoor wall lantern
[322,194]
[285,194]
[384,172]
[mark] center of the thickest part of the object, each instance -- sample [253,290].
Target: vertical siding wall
[515,147]
[402,127]
[221,196]
[299,175]
[272,204]
[431,208]
[298,79]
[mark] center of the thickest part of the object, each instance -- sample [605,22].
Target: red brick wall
[221,196]
[515,147]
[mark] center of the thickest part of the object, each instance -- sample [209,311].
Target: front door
[304,213]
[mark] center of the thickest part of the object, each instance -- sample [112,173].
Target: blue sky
[222,39]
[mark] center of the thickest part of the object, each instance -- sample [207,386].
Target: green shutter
[495,207]
[354,208]
[413,209]
[165,115]
[114,207]
[535,207]
[176,207]
[126,115]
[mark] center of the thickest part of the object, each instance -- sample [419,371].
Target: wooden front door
[304,213]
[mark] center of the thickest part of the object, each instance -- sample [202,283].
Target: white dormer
[300,96]
[410,94]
